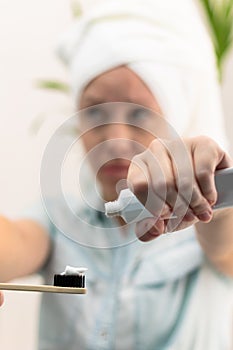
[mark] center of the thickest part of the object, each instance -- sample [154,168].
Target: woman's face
[114,133]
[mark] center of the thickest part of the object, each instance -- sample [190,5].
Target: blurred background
[29,32]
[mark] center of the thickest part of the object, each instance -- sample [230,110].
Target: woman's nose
[119,142]
[118,131]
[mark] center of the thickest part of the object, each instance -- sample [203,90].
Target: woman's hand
[1,298]
[176,178]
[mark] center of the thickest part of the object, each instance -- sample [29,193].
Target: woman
[145,61]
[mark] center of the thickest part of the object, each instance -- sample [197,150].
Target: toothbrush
[132,210]
[71,281]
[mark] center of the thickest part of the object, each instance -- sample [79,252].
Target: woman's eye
[94,116]
[139,113]
[94,112]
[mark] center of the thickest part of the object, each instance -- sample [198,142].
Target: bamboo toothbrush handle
[41,288]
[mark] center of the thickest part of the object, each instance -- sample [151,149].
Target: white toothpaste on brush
[71,277]
[70,270]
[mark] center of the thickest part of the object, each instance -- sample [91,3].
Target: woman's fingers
[207,157]
[152,179]
[140,180]
[190,202]
[1,298]
[149,229]
[176,177]
[205,165]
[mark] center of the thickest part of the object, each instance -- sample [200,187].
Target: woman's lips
[114,169]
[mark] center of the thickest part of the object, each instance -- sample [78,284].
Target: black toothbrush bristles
[72,281]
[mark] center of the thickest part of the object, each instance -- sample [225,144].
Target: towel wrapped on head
[165,43]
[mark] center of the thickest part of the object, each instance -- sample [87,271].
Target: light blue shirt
[140,296]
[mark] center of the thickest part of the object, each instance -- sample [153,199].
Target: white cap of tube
[128,207]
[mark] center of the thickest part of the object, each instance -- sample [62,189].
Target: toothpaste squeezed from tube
[131,209]
[69,270]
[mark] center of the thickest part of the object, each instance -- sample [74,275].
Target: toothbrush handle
[42,288]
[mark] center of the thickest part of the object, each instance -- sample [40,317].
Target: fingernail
[211,202]
[154,233]
[206,216]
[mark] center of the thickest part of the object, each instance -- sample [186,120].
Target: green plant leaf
[219,14]
[76,8]
[55,85]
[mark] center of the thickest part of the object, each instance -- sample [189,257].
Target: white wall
[29,30]
[28,33]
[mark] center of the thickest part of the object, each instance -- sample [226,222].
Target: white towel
[165,43]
